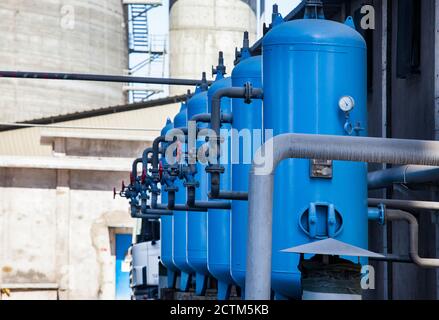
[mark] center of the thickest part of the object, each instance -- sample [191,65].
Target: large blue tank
[312,69]
[197,221]
[247,121]
[180,218]
[218,221]
[167,238]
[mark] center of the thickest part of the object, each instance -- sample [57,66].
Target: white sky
[285,7]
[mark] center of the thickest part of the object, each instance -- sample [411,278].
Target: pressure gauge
[346,104]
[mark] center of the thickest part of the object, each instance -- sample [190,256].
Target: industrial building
[343,204]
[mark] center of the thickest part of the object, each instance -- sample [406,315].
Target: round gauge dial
[346,103]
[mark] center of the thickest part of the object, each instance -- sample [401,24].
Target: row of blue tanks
[313,75]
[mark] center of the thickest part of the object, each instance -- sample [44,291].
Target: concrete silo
[198,29]
[60,36]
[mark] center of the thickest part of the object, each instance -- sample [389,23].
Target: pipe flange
[215,168]
[248,92]
[193,184]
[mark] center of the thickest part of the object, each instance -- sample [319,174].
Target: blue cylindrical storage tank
[197,221]
[181,218]
[218,221]
[247,125]
[166,231]
[309,65]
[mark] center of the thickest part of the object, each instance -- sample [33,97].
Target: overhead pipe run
[404,175]
[99,78]
[285,146]
[407,205]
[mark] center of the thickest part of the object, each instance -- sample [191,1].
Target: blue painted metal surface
[246,118]
[197,221]
[218,221]
[308,65]
[181,219]
[166,225]
[123,290]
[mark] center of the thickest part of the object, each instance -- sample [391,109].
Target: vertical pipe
[384,74]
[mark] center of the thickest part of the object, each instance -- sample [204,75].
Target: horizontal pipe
[98,77]
[206,117]
[405,204]
[303,146]
[392,258]
[230,195]
[404,174]
[213,205]
[180,207]
[394,215]
[151,213]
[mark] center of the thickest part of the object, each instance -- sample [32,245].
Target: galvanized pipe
[281,147]
[404,174]
[405,204]
[395,215]
[98,77]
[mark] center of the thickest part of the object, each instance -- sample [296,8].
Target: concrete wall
[55,225]
[60,36]
[200,28]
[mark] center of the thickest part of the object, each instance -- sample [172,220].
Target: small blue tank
[180,218]
[247,120]
[314,76]
[166,231]
[218,221]
[197,221]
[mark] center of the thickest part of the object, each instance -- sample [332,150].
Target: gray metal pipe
[261,185]
[99,78]
[405,204]
[394,215]
[404,174]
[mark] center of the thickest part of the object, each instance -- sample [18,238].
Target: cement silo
[60,36]
[198,29]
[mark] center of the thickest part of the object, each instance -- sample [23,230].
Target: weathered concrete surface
[55,226]
[60,36]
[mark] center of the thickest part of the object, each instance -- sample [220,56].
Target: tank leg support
[171,279]
[184,281]
[200,284]
[224,290]
[279,296]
